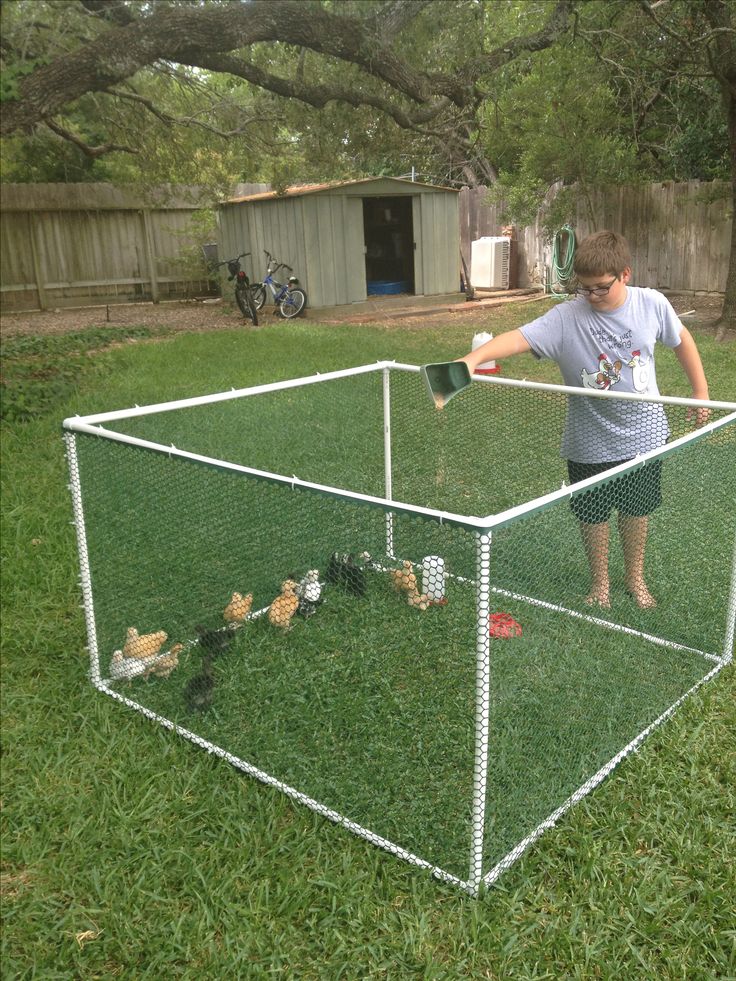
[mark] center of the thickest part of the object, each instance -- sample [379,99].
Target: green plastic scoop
[445,380]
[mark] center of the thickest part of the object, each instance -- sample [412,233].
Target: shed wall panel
[355,275]
[313,262]
[429,255]
[333,236]
[440,244]
[326,295]
[276,226]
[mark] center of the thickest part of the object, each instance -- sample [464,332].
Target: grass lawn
[129,852]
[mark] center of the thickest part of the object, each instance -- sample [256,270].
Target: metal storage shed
[344,238]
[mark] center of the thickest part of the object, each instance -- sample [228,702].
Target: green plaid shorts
[633,494]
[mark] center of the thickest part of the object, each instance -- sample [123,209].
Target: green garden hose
[562,269]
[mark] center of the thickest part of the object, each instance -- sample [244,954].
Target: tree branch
[393,17]
[89,151]
[319,96]
[114,11]
[202,36]
[191,121]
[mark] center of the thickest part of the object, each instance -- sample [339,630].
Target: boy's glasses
[597,290]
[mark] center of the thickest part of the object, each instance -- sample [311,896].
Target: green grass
[128,852]
[40,372]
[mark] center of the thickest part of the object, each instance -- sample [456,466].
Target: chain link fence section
[386,611]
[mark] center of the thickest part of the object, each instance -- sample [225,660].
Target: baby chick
[420,600]
[162,665]
[334,568]
[403,579]
[125,667]
[343,570]
[199,690]
[309,592]
[143,645]
[285,605]
[238,608]
[212,642]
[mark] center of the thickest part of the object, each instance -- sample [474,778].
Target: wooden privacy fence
[83,244]
[680,234]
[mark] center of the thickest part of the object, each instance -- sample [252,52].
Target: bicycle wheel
[244,300]
[293,304]
[258,292]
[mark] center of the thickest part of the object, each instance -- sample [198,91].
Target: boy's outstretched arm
[689,357]
[498,348]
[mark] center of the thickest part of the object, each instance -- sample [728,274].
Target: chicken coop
[381,611]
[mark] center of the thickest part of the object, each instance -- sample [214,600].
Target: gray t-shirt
[608,351]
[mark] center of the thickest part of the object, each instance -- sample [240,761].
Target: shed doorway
[389,245]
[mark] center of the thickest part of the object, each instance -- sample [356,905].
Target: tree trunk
[728,314]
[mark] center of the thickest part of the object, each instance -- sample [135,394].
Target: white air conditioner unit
[489,262]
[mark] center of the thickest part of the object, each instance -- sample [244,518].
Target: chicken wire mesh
[441,682]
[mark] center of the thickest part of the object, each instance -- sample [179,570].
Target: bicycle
[243,289]
[289,297]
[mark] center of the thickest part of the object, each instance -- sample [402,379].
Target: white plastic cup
[434,578]
[488,367]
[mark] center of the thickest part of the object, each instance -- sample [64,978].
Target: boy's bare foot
[598,596]
[640,592]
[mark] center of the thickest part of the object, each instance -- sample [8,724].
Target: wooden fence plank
[677,239]
[89,243]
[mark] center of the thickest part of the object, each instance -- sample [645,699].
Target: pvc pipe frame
[91,425]
[483,526]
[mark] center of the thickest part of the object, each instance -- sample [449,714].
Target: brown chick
[143,645]
[420,600]
[285,605]
[238,608]
[164,664]
[403,579]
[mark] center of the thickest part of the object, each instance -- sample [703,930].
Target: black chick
[199,689]
[212,642]
[343,570]
[334,568]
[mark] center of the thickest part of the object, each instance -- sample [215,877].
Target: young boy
[602,339]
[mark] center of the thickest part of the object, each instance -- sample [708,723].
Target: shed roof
[298,190]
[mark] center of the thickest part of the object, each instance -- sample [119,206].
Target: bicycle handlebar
[241,256]
[278,265]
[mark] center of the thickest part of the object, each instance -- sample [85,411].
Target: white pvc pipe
[539,503]
[463,521]
[518,850]
[731,613]
[584,392]
[291,792]
[608,624]
[235,393]
[387,463]
[85,579]
[482,711]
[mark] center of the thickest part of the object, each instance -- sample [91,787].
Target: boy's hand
[699,416]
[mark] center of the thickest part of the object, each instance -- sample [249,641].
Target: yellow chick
[143,645]
[420,600]
[164,664]
[238,608]
[403,579]
[285,605]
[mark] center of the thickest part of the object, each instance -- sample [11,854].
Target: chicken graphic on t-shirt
[608,374]
[640,371]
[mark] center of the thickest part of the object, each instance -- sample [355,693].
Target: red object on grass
[503,625]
